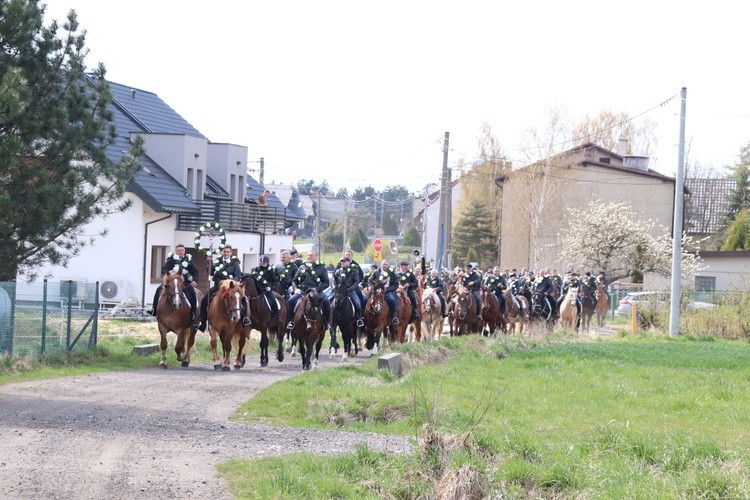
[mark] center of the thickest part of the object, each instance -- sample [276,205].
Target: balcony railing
[238,217]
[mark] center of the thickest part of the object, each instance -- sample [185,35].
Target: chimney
[622,147]
[132,93]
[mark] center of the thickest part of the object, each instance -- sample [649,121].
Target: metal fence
[45,318]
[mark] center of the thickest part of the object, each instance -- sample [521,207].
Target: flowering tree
[609,237]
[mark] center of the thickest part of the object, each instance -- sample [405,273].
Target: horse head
[231,294]
[313,310]
[464,302]
[340,295]
[430,302]
[173,283]
[376,302]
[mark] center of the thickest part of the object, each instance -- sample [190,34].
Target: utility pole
[346,209]
[260,177]
[674,313]
[443,217]
[316,240]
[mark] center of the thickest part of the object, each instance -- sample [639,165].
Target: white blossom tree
[610,237]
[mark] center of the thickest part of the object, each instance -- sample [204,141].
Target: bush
[412,238]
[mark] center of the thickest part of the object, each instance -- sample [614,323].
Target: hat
[588,273]
[264,259]
[373,266]
[531,271]
[469,266]
[345,259]
[512,274]
[404,262]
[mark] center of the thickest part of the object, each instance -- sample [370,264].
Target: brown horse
[465,312]
[224,323]
[450,301]
[602,304]
[588,306]
[490,311]
[376,314]
[261,319]
[517,311]
[309,327]
[397,333]
[173,315]
[432,319]
[569,310]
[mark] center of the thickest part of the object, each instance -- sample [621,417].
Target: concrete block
[145,349]
[392,362]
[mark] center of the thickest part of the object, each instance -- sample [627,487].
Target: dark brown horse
[261,319]
[173,315]
[588,305]
[309,327]
[465,312]
[490,311]
[450,300]
[224,314]
[376,314]
[342,317]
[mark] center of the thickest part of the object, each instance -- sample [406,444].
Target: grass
[642,417]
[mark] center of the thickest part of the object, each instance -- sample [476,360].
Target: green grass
[642,417]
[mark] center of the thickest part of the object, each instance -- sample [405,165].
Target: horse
[309,327]
[602,305]
[397,333]
[342,316]
[261,319]
[450,301]
[376,314]
[175,318]
[224,313]
[541,309]
[465,312]
[588,305]
[569,310]
[490,311]
[432,319]
[517,311]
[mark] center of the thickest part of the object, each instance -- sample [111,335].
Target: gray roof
[214,191]
[707,205]
[255,189]
[287,194]
[147,113]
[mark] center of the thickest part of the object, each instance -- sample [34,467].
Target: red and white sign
[377,245]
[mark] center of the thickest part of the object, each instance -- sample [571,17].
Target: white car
[652,299]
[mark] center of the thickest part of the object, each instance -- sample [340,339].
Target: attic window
[604,160]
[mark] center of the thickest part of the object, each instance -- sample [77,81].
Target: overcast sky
[361,93]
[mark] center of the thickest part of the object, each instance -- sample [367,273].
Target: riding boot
[243,314]
[358,315]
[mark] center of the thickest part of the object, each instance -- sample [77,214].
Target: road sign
[377,256]
[377,245]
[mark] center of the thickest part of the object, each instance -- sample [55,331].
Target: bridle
[174,296]
[226,302]
[461,300]
[375,302]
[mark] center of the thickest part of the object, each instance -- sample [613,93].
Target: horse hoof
[225,368]
[163,365]
[280,357]
[288,350]
[264,364]
[185,364]
[217,367]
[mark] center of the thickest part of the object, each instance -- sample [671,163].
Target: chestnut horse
[173,315]
[465,312]
[224,314]
[376,314]
[432,319]
[261,319]
[397,333]
[490,311]
[309,327]
[569,310]
[517,311]
[602,304]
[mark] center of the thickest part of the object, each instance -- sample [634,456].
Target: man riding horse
[265,277]
[571,281]
[389,279]
[472,282]
[349,275]
[178,260]
[408,280]
[311,275]
[496,283]
[543,285]
[436,283]
[354,265]
[226,267]
[286,270]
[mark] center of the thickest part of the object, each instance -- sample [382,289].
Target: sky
[362,93]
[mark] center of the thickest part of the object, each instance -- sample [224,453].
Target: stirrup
[479,317]
[360,322]
[246,321]
[290,325]
[395,321]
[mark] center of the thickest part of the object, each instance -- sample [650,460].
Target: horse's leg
[238,362]
[318,345]
[190,343]
[334,343]
[302,353]
[263,348]
[214,334]
[226,345]
[163,345]
[280,343]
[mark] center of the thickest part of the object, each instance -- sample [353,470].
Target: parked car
[653,299]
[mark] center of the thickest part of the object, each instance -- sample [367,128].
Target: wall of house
[184,157]
[431,237]
[731,270]
[227,165]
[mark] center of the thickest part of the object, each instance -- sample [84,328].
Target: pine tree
[55,127]
[737,229]
[476,230]
[412,238]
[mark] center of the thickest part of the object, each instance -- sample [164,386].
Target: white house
[186,181]
[429,223]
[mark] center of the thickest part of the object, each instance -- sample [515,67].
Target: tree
[358,241]
[55,128]
[736,232]
[307,187]
[412,238]
[390,226]
[332,239]
[607,128]
[609,237]
[342,193]
[475,230]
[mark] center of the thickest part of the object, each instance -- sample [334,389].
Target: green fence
[44,318]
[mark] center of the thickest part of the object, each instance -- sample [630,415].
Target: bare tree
[607,128]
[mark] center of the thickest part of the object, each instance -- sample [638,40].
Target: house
[186,181]
[536,198]
[428,222]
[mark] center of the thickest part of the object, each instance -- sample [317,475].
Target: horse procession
[298,303]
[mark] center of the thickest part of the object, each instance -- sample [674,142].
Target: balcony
[236,217]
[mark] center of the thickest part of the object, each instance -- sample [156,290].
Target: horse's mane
[170,275]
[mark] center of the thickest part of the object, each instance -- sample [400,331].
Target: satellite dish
[108,290]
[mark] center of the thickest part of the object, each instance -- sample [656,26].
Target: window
[604,160]
[158,257]
[199,187]
[705,283]
[189,187]
[232,187]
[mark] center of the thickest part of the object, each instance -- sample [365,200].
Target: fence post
[95,325]
[70,314]
[44,319]
[633,317]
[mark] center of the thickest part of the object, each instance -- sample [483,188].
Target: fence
[44,318]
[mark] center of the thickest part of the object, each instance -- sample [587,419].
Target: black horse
[541,309]
[342,316]
[587,294]
[309,327]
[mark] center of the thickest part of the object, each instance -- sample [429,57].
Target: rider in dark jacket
[179,259]
[265,277]
[389,279]
[496,283]
[408,280]
[312,274]
[286,270]
[543,284]
[472,282]
[349,275]
[226,267]
[436,283]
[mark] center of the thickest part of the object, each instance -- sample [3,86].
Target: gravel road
[147,434]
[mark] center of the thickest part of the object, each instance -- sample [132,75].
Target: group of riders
[293,277]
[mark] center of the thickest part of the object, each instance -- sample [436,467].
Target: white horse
[432,319]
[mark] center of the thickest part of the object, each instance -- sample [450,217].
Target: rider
[496,283]
[265,276]
[286,271]
[311,274]
[296,258]
[436,283]
[601,279]
[571,281]
[180,260]
[543,284]
[226,267]
[347,274]
[590,283]
[360,274]
[514,284]
[389,279]
[472,282]
[408,280]
[365,283]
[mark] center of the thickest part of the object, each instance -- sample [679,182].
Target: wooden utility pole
[444,209]
[674,313]
[260,177]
